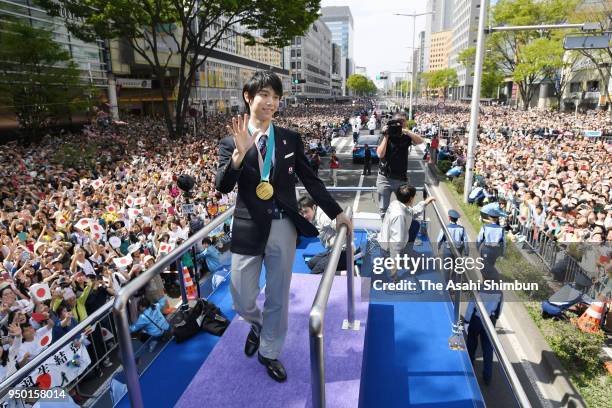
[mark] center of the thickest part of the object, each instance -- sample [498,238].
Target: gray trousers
[384,187]
[246,270]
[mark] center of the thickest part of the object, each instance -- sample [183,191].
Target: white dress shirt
[393,235]
[326,228]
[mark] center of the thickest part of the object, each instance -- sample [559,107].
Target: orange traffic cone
[192,293]
[590,320]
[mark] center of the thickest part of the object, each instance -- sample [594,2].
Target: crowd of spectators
[539,163]
[82,214]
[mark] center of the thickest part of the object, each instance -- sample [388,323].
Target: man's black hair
[259,81]
[405,193]
[306,201]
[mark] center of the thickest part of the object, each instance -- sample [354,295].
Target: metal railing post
[317,316]
[127,356]
[184,299]
[514,382]
[122,298]
[350,280]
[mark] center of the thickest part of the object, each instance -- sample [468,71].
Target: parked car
[359,148]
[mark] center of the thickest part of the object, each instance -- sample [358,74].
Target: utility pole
[414,16]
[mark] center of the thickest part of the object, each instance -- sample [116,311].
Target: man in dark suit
[262,159]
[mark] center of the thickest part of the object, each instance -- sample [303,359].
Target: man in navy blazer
[261,159]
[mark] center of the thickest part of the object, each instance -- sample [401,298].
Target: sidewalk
[546,382]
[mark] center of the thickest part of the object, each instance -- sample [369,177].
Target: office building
[336,71]
[340,22]
[421,49]
[311,60]
[441,44]
[465,25]
[439,19]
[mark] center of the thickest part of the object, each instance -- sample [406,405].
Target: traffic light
[299,81]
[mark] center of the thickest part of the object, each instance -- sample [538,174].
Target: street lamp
[414,16]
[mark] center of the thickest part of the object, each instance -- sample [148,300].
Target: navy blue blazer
[253,216]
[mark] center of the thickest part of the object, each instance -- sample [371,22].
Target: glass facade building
[339,20]
[89,57]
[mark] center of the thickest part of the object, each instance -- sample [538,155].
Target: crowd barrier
[563,265]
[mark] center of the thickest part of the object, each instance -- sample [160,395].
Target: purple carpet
[228,378]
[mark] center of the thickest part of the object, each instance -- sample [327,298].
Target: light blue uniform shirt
[458,235]
[492,235]
[211,255]
[492,302]
[152,320]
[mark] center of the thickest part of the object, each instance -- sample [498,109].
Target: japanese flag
[165,248]
[106,334]
[129,201]
[140,201]
[134,212]
[97,236]
[111,208]
[61,222]
[84,223]
[95,227]
[97,183]
[45,339]
[40,291]
[123,262]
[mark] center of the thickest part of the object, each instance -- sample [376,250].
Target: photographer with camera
[393,153]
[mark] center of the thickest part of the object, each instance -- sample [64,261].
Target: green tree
[181,34]
[514,50]
[492,76]
[443,79]
[39,82]
[358,84]
[403,86]
[371,88]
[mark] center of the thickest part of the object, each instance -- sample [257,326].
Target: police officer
[393,153]
[476,331]
[491,240]
[458,235]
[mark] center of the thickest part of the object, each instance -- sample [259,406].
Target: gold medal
[264,190]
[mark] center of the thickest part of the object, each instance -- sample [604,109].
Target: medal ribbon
[265,164]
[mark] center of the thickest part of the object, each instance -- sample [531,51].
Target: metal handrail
[515,384]
[319,306]
[121,301]
[350,189]
[24,371]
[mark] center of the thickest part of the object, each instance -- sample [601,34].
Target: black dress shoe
[275,368]
[252,343]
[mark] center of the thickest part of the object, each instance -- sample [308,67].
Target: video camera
[394,129]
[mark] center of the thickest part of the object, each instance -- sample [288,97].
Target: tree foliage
[179,35]
[517,51]
[492,76]
[38,80]
[442,79]
[361,85]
